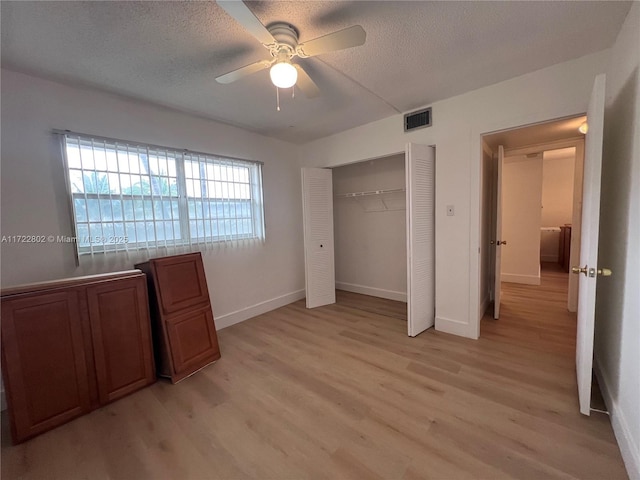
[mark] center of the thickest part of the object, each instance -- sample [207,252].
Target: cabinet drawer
[180,282]
[121,333]
[193,341]
[43,361]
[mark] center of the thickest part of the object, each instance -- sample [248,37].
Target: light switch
[450,211]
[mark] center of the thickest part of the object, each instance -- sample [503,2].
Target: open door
[589,243]
[498,236]
[420,173]
[317,217]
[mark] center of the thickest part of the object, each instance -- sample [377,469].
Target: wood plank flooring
[380,306]
[341,392]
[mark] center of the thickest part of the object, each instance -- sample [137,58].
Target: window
[131,196]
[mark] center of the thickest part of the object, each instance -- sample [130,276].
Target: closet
[369,228]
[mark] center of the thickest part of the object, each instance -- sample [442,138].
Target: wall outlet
[450,211]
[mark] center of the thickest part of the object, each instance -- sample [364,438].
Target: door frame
[475,208]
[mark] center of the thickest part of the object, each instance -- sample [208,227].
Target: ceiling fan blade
[347,38]
[304,83]
[245,17]
[243,72]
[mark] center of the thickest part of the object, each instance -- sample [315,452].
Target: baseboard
[524,279]
[374,292]
[454,327]
[549,258]
[243,314]
[628,448]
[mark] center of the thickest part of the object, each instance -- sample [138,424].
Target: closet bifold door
[420,172]
[121,333]
[317,215]
[43,355]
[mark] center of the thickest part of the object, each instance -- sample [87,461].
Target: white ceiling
[538,134]
[416,53]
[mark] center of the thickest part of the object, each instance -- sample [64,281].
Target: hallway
[536,317]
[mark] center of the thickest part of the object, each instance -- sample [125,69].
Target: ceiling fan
[281,39]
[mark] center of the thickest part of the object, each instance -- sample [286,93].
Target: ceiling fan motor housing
[286,39]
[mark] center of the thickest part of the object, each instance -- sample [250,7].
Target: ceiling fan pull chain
[277,99]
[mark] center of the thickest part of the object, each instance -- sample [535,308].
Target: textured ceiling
[416,53]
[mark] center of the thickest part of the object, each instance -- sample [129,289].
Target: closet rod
[372,192]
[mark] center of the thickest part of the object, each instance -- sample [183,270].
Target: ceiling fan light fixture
[283,75]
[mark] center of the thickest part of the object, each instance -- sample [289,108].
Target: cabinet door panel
[44,361]
[193,341]
[181,282]
[121,334]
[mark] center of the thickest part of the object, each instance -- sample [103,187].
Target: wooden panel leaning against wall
[73,345]
[182,319]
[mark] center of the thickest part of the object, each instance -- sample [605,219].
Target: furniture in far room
[564,248]
[184,331]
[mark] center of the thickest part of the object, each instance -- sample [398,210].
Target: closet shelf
[372,192]
[378,200]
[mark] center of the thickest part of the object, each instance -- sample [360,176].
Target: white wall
[557,187]
[521,212]
[370,242]
[617,337]
[557,198]
[242,281]
[554,92]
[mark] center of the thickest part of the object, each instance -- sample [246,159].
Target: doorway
[370,239]
[369,218]
[419,230]
[540,168]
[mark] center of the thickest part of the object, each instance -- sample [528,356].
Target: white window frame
[224,216]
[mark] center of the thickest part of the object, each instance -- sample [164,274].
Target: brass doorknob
[605,272]
[578,270]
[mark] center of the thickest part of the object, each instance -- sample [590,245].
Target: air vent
[419,119]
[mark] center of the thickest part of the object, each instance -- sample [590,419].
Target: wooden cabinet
[44,365]
[183,326]
[71,346]
[564,248]
[121,336]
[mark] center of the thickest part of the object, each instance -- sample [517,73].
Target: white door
[498,237]
[589,243]
[317,217]
[420,173]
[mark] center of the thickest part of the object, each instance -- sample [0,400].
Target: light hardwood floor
[341,392]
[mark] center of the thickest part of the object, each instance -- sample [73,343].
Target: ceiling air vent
[419,119]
